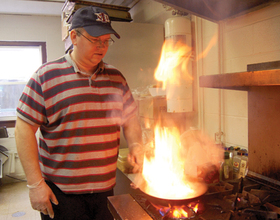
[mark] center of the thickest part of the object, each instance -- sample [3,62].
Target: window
[18,61]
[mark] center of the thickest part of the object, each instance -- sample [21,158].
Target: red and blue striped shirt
[79,117]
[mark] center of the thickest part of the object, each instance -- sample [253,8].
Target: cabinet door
[136,54]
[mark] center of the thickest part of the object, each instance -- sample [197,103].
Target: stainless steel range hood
[217,10]
[116,12]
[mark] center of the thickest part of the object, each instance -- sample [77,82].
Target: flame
[164,170]
[195,209]
[162,209]
[173,64]
[172,67]
[179,212]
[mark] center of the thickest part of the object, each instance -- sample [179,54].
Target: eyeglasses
[98,42]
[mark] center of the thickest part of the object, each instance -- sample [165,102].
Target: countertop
[123,185]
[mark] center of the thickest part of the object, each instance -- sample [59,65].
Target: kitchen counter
[122,205]
[123,185]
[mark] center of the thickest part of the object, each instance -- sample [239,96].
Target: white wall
[247,39]
[28,28]
[34,28]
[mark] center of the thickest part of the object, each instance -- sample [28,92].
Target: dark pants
[79,207]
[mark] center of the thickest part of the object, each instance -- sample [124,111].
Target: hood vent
[115,12]
[217,10]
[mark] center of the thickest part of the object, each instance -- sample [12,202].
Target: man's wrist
[35,185]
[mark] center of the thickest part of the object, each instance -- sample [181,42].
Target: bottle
[243,169]
[236,165]
[226,172]
[231,151]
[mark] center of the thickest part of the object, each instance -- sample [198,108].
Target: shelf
[241,81]
[263,89]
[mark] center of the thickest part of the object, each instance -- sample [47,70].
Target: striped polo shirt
[79,117]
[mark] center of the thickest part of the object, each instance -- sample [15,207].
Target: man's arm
[28,150]
[27,147]
[133,135]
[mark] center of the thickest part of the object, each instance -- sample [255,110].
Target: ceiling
[49,7]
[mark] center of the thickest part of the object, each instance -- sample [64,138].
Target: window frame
[9,121]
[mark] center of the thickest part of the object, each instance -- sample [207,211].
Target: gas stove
[243,199]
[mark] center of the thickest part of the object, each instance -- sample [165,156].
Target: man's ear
[73,37]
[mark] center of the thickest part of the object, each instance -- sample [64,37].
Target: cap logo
[102,17]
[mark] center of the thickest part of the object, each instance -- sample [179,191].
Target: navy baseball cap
[94,20]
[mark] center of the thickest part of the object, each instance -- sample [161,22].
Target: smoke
[200,153]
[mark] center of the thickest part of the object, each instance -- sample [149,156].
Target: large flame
[175,163]
[163,169]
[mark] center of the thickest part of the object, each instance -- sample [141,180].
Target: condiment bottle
[226,172]
[236,165]
[243,169]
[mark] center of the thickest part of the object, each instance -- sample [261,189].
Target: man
[78,103]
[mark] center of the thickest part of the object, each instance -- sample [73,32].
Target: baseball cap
[94,20]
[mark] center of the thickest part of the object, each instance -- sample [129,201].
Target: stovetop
[227,208]
[238,200]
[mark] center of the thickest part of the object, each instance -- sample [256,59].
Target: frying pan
[199,186]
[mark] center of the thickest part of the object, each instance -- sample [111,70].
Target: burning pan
[200,188]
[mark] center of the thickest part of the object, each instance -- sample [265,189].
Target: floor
[14,203]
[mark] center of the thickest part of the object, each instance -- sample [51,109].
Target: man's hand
[41,198]
[135,157]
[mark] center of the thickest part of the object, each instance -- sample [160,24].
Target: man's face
[91,50]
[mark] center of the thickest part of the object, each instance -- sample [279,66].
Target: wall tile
[235,103]
[209,28]
[238,43]
[264,57]
[235,130]
[210,56]
[266,35]
[211,101]
[211,124]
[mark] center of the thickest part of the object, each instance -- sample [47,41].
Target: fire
[172,67]
[176,163]
[177,212]
[164,172]
[163,169]
[180,212]
[195,208]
